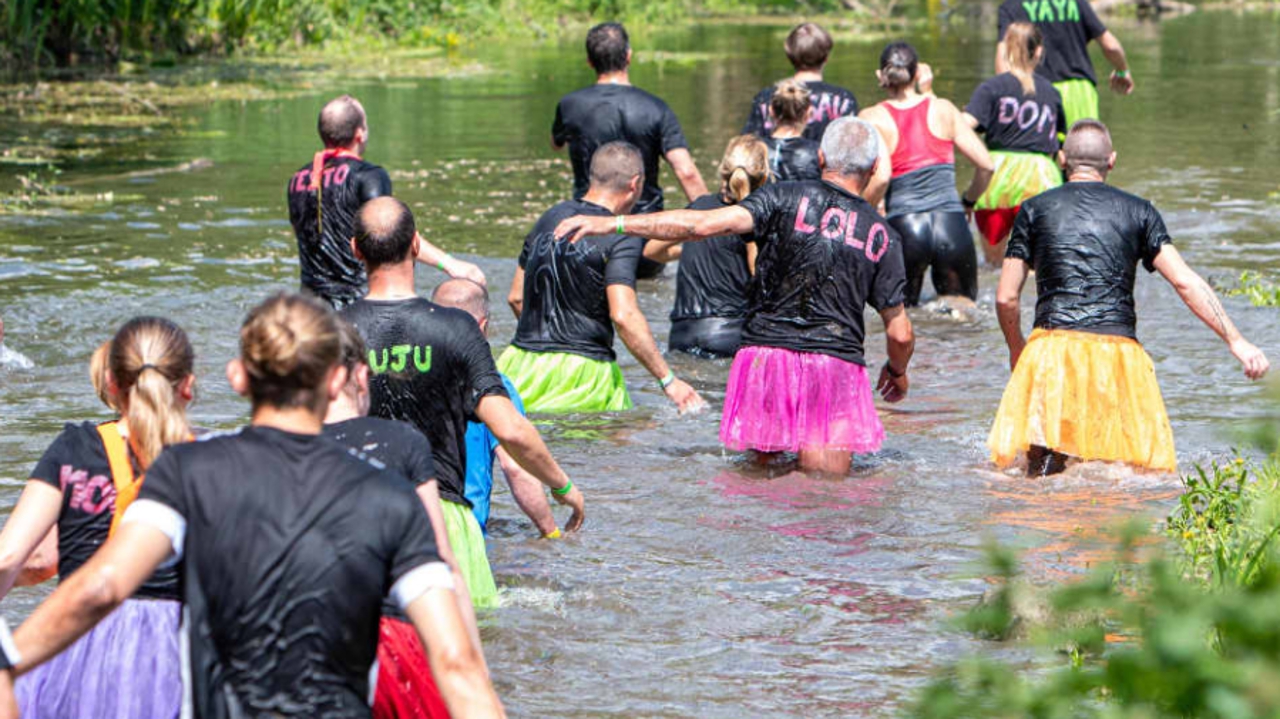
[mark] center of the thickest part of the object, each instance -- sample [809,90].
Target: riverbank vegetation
[1188,630]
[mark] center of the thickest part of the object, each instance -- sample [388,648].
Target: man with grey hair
[482,446]
[799,382]
[1082,385]
[570,297]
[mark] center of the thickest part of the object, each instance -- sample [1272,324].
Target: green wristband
[1122,73]
[440,262]
[665,382]
[567,488]
[621,229]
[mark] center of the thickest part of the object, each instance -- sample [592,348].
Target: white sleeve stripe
[162,517]
[7,645]
[420,580]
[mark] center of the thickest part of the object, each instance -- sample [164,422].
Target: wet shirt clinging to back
[1085,241]
[324,221]
[566,308]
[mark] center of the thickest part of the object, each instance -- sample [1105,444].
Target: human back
[566,308]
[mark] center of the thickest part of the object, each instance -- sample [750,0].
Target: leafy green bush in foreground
[1194,632]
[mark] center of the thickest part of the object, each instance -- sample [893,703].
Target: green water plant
[1259,290]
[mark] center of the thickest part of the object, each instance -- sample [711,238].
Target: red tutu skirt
[780,400]
[405,688]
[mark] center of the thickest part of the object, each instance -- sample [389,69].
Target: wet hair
[98,365]
[1021,41]
[149,358]
[339,121]
[898,64]
[615,164]
[384,232]
[808,46]
[790,103]
[607,46]
[1088,146]
[464,294]
[851,146]
[353,351]
[744,167]
[288,344]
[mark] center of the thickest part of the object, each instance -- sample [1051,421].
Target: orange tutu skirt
[1089,396]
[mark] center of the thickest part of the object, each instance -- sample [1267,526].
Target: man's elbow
[99,591]
[901,334]
[457,660]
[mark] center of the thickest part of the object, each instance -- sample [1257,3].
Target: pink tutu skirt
[784,401]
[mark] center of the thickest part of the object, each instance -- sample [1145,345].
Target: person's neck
[392,282]
[904,94]
[343,408]
[350,150]
[854,184]
[785,131]
[808,75]
[608,200]
[619,77]
[294,420]
[1086,176]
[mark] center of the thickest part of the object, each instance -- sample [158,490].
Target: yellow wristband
[555,534]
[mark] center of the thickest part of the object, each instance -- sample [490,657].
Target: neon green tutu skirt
[1079,100]
[560,382]
[468,550]
[1019,176]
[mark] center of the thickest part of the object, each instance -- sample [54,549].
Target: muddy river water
[701,587]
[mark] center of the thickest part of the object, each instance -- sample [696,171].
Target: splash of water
[12,359]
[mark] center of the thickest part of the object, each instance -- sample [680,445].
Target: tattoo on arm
[1221,324]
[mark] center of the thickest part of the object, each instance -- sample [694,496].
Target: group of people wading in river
[328,559]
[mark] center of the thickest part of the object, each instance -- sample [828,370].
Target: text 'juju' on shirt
[566,307]
[827,102]
[1015,122]
[76,464]
[1067,27]
[824,254]
[288,544]
[324,228]
[713,276]
[599,114]
[1085,240]
[430,366]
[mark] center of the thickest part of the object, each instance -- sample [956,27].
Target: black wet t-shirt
[827,102]
[76,464]
[1085,241]
[713,276]
[566,307]
[1067,27]
[291,543]
[599,114]
[824,255]
[324,229]
[794,158]
[1016,122]
[430,366]
[397,446]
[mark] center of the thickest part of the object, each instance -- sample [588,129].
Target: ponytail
[149,359]
[744,167]
[739,184]
[1021,41]
[98,365]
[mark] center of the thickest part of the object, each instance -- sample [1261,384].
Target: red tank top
[917,146]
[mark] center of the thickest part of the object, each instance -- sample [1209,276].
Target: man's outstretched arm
[520,438]
[687,173]
[674,225]
[1204,302]
[429,254]
[528,493]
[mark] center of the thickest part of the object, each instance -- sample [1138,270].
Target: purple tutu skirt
[127,667]
[780,400]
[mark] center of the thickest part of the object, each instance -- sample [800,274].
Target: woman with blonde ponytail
[792,156]
[1021,115]
[711,285]
[128,665]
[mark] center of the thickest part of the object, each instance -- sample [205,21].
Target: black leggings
[939,241]
[710,337]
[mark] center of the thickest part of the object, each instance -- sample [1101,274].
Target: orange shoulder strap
[121,470]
